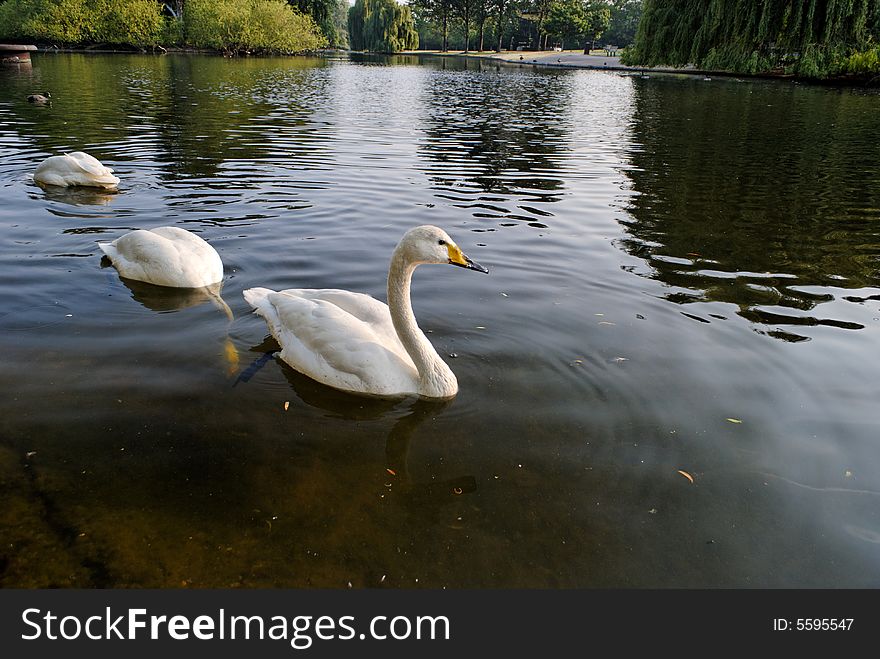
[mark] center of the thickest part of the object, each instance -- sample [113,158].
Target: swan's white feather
[345,340]
[73,169]
[165,256]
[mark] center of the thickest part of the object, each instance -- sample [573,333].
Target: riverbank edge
[106,49]
[577,60]
[507,58]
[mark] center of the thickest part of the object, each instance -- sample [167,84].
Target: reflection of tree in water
[189,114]
[494,139]
[208,111]
[752,193]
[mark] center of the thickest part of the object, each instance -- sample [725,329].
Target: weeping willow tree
[381,26]
[812,38]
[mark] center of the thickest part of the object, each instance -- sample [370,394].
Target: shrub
[136,22]
[861,63]
[253,25]
[230,25]
[69,22]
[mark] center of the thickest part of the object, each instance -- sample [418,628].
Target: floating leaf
[391,471]
[286,405]
[686,475]
[734,420]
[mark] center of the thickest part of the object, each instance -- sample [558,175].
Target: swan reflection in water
[166,299]
[411,414]
[78,196]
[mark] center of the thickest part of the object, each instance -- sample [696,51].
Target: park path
[574,59]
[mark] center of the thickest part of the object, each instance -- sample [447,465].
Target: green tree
[465,11]
[438,14]
[268,26]
[577,20]
[73,22]
[482,12]
[322,12]
[813,38]
[567,20]
[537,13]
[340,22]
[229,25]
[625,15]
[381,26]
[503,12]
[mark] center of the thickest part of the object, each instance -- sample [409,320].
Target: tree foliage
[69,22]
[230,25]
[381,26]
[269,26]
[808,37]
[576,20]
[322,12]
[340,22]
[625,15]
[435,15]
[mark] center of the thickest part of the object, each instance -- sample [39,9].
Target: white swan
[176,258]
[353,342]
[165,256]
[75,168]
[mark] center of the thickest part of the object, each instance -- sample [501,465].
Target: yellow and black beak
[457,258]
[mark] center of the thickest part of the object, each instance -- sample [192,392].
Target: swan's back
[345,340]
[77,168]
[165,256]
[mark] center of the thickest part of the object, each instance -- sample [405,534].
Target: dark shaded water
[685,277]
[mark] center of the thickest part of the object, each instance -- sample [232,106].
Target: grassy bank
[232,26]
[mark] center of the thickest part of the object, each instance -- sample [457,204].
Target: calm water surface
[685,277]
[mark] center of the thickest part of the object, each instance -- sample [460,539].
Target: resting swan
[352,341]
[165,256]
[176,258]
[75,168]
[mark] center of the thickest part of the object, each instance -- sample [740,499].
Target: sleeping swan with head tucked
[73,169]
[165,256]
[355,343]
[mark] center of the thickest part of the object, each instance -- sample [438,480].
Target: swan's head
[430,244]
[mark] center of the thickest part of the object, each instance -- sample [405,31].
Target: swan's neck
[436,379]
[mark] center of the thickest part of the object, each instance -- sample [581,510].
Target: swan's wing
[364,307]
[331,345]
[184,240]
[88,164]
[201,264]
[144,256]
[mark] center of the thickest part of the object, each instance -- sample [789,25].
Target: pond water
[668,379]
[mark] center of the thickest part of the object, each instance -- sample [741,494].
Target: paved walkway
[574,59]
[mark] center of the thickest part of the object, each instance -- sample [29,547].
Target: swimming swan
[352,341]
[75,168]
[165,256]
